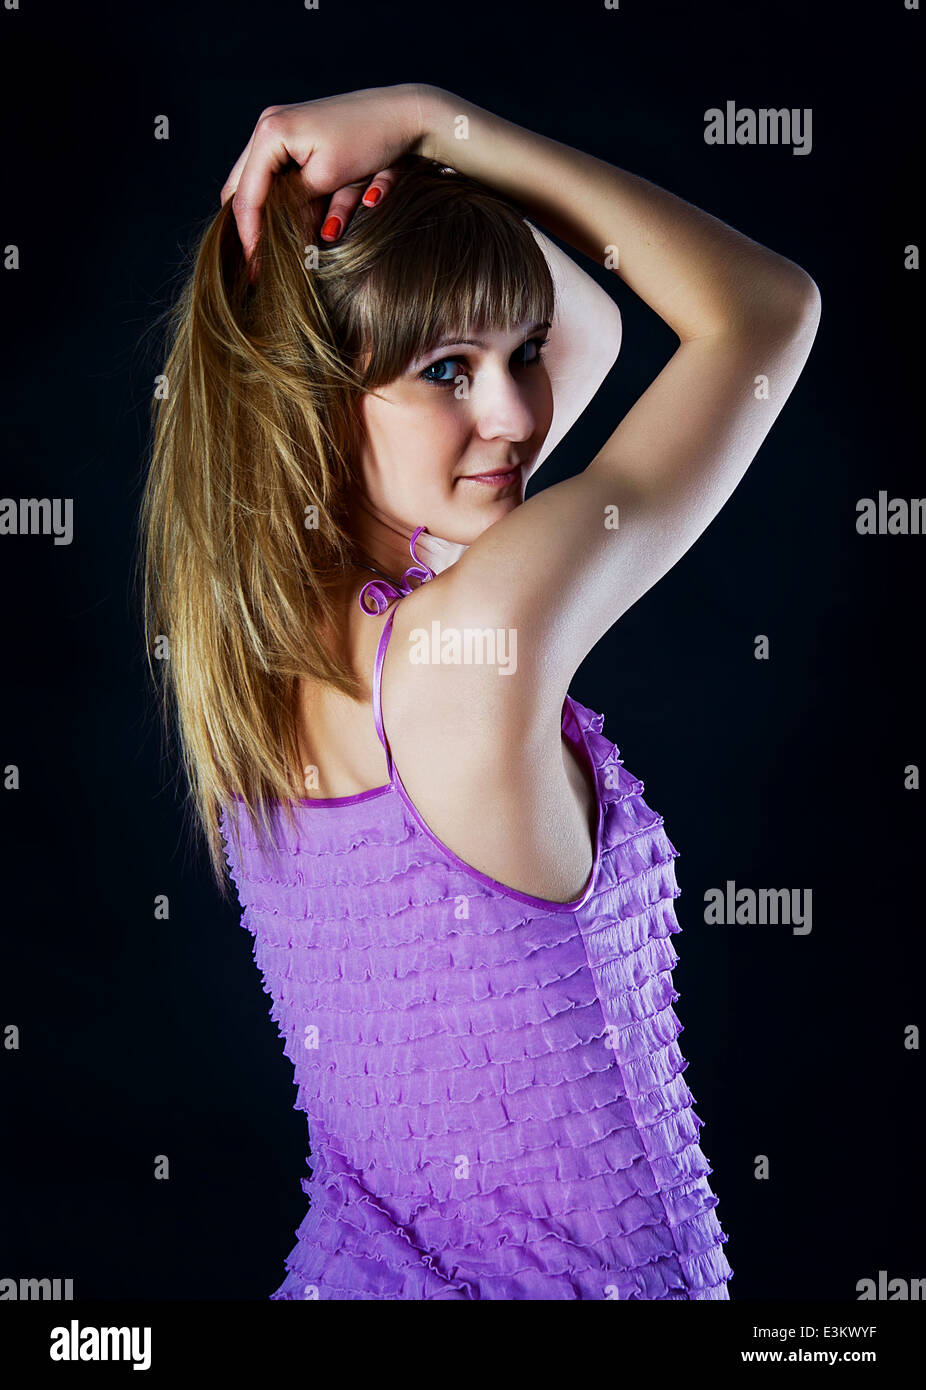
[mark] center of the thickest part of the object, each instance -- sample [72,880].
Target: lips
[495,475]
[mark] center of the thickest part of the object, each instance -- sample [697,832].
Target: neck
[385,543]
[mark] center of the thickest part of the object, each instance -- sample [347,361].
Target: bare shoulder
[451,671]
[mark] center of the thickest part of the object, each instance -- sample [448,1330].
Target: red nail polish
[372,197]
[332,226]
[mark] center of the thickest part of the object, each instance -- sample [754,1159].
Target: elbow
[814,308]
[797,302]
[807,299]
[791,306]
[784,302]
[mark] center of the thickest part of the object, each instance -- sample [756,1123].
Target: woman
[461,905]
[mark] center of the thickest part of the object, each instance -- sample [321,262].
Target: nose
[502,406]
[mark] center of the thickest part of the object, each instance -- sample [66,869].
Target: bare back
[519,807]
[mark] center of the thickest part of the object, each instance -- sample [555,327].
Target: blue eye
[537,343]
[441,381]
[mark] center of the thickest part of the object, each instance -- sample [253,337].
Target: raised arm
[564,566]
[584,341]
[696,272]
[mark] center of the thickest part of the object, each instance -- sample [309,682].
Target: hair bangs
[468,267]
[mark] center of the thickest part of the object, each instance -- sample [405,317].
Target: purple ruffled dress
[492,1081]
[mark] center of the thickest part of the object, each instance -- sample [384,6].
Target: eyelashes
[538,343]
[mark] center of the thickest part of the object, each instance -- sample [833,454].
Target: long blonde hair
[244,524]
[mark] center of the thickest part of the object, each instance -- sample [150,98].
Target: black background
[142,1037]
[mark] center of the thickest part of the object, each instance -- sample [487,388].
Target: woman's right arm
[564,566]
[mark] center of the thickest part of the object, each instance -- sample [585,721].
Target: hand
[343,144]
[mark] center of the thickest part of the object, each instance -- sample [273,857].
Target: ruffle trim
[358,1251]
[631,1191]
[538,991]
[606,1140]
[334,1083]
[575,1027]
[570,1103]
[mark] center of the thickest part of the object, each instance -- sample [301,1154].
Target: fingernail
[372,197]
[332,227]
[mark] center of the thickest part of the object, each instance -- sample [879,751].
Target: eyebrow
[479,342]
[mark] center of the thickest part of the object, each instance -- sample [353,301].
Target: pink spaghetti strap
[378,687]
[382,592]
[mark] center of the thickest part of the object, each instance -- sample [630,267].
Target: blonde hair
[244,524]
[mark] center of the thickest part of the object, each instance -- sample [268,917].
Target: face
[465,409]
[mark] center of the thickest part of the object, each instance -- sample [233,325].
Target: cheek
[433,440]
[437,427]
[413,443]
[418,446]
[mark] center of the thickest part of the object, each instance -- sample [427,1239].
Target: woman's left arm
[584,341]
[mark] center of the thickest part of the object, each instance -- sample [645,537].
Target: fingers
[340,210]
[345,201]
[231,183]
[250,179]
[266,153]
[384,180]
